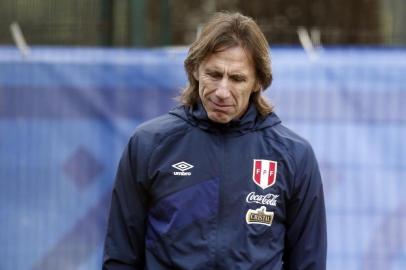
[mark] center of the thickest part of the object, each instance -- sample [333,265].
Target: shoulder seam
[161,140]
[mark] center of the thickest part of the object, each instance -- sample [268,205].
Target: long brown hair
[225,30]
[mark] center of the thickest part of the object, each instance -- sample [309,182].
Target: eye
[238,78]
[215,75]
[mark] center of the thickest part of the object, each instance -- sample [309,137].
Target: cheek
[205,87]
[244,96]
[202,90]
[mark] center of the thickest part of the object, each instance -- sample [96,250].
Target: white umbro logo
[182,167]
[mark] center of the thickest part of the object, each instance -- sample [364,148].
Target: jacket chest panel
[188,161]
[254,184]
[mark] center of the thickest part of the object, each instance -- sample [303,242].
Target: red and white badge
[264,172]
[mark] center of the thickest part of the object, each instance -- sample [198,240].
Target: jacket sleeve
[306,235]
[124,243]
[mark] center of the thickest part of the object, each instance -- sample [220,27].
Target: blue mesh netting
[66,114]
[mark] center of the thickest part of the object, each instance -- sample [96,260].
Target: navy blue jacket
[193,194]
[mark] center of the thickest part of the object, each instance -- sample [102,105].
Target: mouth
[219,106]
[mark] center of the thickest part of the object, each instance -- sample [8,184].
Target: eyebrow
[217,70]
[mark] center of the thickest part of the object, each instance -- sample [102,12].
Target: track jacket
[194,194]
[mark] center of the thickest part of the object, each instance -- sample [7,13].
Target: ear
[257,87]
[196,74]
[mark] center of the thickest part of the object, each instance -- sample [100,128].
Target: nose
[223,89]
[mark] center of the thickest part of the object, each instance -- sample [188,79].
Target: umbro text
[182,173]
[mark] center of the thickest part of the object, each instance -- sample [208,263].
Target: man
[219,183]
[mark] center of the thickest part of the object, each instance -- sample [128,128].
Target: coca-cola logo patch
[266,199]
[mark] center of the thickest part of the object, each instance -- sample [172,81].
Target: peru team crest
[264,172]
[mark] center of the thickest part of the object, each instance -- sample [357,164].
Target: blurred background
[76,78]
[143,23]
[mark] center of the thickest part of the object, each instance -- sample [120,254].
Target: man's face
[226,81]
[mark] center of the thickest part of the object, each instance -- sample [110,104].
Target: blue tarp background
[66,114]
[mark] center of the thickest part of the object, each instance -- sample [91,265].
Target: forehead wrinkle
[222,70]
[220,62]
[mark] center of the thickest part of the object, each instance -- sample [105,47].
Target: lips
[219,106]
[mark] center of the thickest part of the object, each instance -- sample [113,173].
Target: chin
[215,117]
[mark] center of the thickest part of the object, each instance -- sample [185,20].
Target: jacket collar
[250,121]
